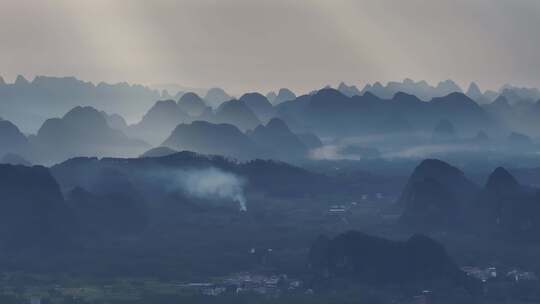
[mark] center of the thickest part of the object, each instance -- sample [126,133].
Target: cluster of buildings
[482,274]
[490,273]
[270,285]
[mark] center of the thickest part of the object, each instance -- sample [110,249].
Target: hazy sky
[246,45]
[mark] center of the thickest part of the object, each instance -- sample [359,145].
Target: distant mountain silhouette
[520,115]
[349,91]
[192,104]
[82,131]
[12,140]
[420,89]
[14,159]
[310,140]
[33,213]
[216,96]
[159,152]
[271,96]
[519,139]
[259,105]
[516,94]
[507,207]
[236,112]
[277,139]
[476,94]
[115,121]
[158,122]
[436,195]
[208,138]
[283,95]
[369,259]
[444,130]
[330,113]
[29,104]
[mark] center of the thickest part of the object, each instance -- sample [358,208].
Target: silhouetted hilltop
[349,91]
[310,140]
[14,159]
[476,94]
[374,260]
[520,115]
[29,104]
[283,95]
[115,121]
[421,89]
[444,130]
[516,94]
[509,208]
[259,105]
[208,138]
[159,121]
[159,152]
[501,181]
[192,104]
[11,139]
[460,109]
[330,113]
[436,195]
[32,210]
[236,112]
[277,139]
[216,96]
[82,131]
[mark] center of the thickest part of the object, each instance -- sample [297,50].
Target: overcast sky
[247,45]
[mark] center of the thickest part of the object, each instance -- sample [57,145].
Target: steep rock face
[32,210]
[436,195]
[207,138]
[369,259]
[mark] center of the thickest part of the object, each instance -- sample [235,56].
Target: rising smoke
[212,183]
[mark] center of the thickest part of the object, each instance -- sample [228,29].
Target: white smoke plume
[213,183]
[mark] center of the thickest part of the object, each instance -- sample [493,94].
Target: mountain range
[439,196]
[330,113]
[373,260]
